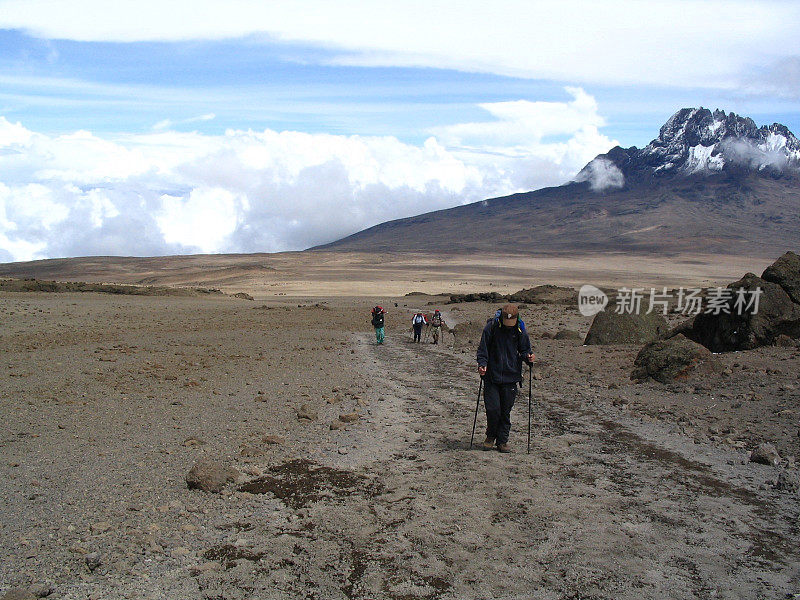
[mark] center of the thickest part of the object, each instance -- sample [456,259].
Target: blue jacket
[502,350]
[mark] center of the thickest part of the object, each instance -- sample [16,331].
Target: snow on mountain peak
[697,141]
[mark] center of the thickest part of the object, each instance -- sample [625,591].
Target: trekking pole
[475,420]
[530,372]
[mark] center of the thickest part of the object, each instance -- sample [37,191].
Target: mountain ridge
[697,141]
[710,182]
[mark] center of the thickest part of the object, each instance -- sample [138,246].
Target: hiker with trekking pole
[417,322]
[503,347]
[436,323]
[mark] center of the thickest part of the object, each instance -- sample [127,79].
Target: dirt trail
[104,395]
[605,506]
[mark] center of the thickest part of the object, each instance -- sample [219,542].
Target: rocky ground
[355,477]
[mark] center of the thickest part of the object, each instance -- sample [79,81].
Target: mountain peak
[697,141]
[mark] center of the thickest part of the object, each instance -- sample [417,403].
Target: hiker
[503,347]
[417,322]
[378,321]
[436,322]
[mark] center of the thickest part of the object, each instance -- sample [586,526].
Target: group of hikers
[434,324]
[418,321]
[503,349]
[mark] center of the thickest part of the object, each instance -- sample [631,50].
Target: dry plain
[630,490]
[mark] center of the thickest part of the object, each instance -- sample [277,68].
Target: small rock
[210,476]
[251,452]
[306,413]
[272,440]
[349,417]
[98,528]
[765,454]
[337,425]
[787,482]
[193,441]
[93,560]
[343,450]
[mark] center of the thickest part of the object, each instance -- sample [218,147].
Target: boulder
[568,334]
[745,330]
[765,454]
[610,327]
[675,359]
[210,476]
[349,417]
[786,273]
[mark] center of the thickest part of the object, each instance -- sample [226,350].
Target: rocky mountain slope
[696,141]
[710,182]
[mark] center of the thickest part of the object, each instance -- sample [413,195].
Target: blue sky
[57,86]
[422,105]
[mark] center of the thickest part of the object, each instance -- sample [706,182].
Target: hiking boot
[488,443]
[503,448]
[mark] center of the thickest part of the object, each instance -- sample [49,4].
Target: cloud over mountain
[246,191]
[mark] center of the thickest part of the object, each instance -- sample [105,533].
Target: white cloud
[167,123]
[204,219]
[173,192]
[602,174]
[700,43]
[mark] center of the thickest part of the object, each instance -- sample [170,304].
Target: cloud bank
[169,192]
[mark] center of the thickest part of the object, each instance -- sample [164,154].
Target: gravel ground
[630,490]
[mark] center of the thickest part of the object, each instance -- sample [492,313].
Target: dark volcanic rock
[776,315]
[210,476]
[610,327]
[477,297]
[677,358]
[765,454]
[545,294]
[786,273]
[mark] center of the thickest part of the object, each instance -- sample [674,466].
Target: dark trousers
[417,332]
[498,400]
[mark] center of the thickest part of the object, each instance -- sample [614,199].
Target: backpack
[418,319]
